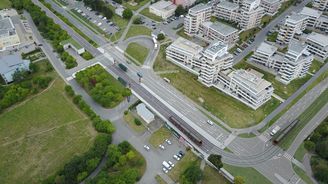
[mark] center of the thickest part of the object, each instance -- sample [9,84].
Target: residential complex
[196,16]
[184,3]
[321,5]
[271,7]
[316,19]
[318,45]
[163,9]
[213,65]
[227,11]
[267,55]
[10,64]
[251,14]
[9,38]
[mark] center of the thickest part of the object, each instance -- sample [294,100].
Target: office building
[196,16]
[163,9]
[10,64]
[9,38]
[318,45]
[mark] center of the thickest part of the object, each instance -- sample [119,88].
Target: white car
[172,165]
[161,146]
[176,157]
[168,142]
[146,147]
[165,170]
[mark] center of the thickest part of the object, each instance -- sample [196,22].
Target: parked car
[181,153]
[210,122]
[165,170]
[146,147]
[176,157]
[172,165]
[168,141]
[161,146]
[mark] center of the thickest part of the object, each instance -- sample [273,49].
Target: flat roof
[296,18]
[73,42]
[186,45]
[6,24]
[199,7]
[266,48]
[228,5]
[222,28]
[251,78]
[319,38]
[161,5]
[10,62]
[310,12]
[296,47]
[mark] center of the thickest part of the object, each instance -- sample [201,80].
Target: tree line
[48,29]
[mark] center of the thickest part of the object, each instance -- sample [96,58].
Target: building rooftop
[295,18]
[251,79]
[186,45]
[6,24]
[296,47]
[271,1]
[160,5]
[221,28]
[199,7]
[216,50]
[319,38]
[10,63]
[310,12]
[145,113]
[266,48]
[228,5]
[73,42]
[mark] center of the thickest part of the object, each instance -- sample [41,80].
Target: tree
[180,10]
[137,121]
[137,20]
[127,14]
[215,160]
[192,174]
[124,147]
[20,75]
[322,148]
[113,154]
[160,36]
[239,180]
[309,145]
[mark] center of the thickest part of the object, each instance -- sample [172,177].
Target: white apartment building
[182,52]
[321,5]
[247,86]
[196,16]
[312,14]
[294,24]
[271,7]
[227,10]
[213,59]
[9,38]
[267,55]
[251,14]
[219,31]
[318,45]
[296,63]
[164,9]
[322,24]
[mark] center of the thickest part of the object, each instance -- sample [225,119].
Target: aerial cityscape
[164,91]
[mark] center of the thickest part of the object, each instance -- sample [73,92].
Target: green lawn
[39,136]
[250,175]
[138,52]
[5,4]
[136,30]
[152,16]
[302,174]
[272,37]
[181,165]
[212,176]
[218,103]
[183,34]
[300,152]
[245,35]
[161,64]
[120,22]
[284,91]
[159,180]
[139,5]
[304,118]
[159,136]
[129,119]
[315,66]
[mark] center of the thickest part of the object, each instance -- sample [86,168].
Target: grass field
[302,174]
[129,119]
[160,180]
[315,66]
[181,165]
[5,4]
[42,134]
[300,152]
[218,103]
[152,16]
[136,30]
[159,136]
[304,118]
[212,176]
[139,5]
[137,51]
[161,63]
[250,175]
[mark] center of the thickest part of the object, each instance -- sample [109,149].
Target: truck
[123,67]
[275,130]
[167,165]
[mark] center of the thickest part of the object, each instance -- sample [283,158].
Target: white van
[274,130]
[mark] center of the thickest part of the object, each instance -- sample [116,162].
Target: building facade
[267,55]
[321,5]
[184,3]
[251,14]
[271,7]
[163,9]
[227,11]
[196,16]
[318,45]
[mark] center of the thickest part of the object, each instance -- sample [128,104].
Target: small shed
[144,113]
[71,43]
[119,11]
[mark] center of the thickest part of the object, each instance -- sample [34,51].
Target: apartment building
[182,52]
[219,31]
[312,14]
[227,11]
[251,14]
[321,5]
[322,24]
[184,3]
[318,45]
[9,38]
[271,7]
[267,55]
[296,63]
[213,59]
[196,16]
[294,24]
[247,86]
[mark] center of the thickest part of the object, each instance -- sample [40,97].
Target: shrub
[127,14]
[160,36]
[87,56]
[137,20]
[69,90]
[215,160]
[137,121]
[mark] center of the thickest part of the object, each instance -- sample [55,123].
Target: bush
[127,14]
[215,160]
[192,174]
[126,112]
[137,121]
[160,36]
[87,56]
[105,126]
[309,145]
[69,90]
[137,20]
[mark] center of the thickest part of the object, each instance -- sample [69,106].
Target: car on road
[146,147]
[172,165]
[161,146]
[165,170]
[176,157]
[168,141]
